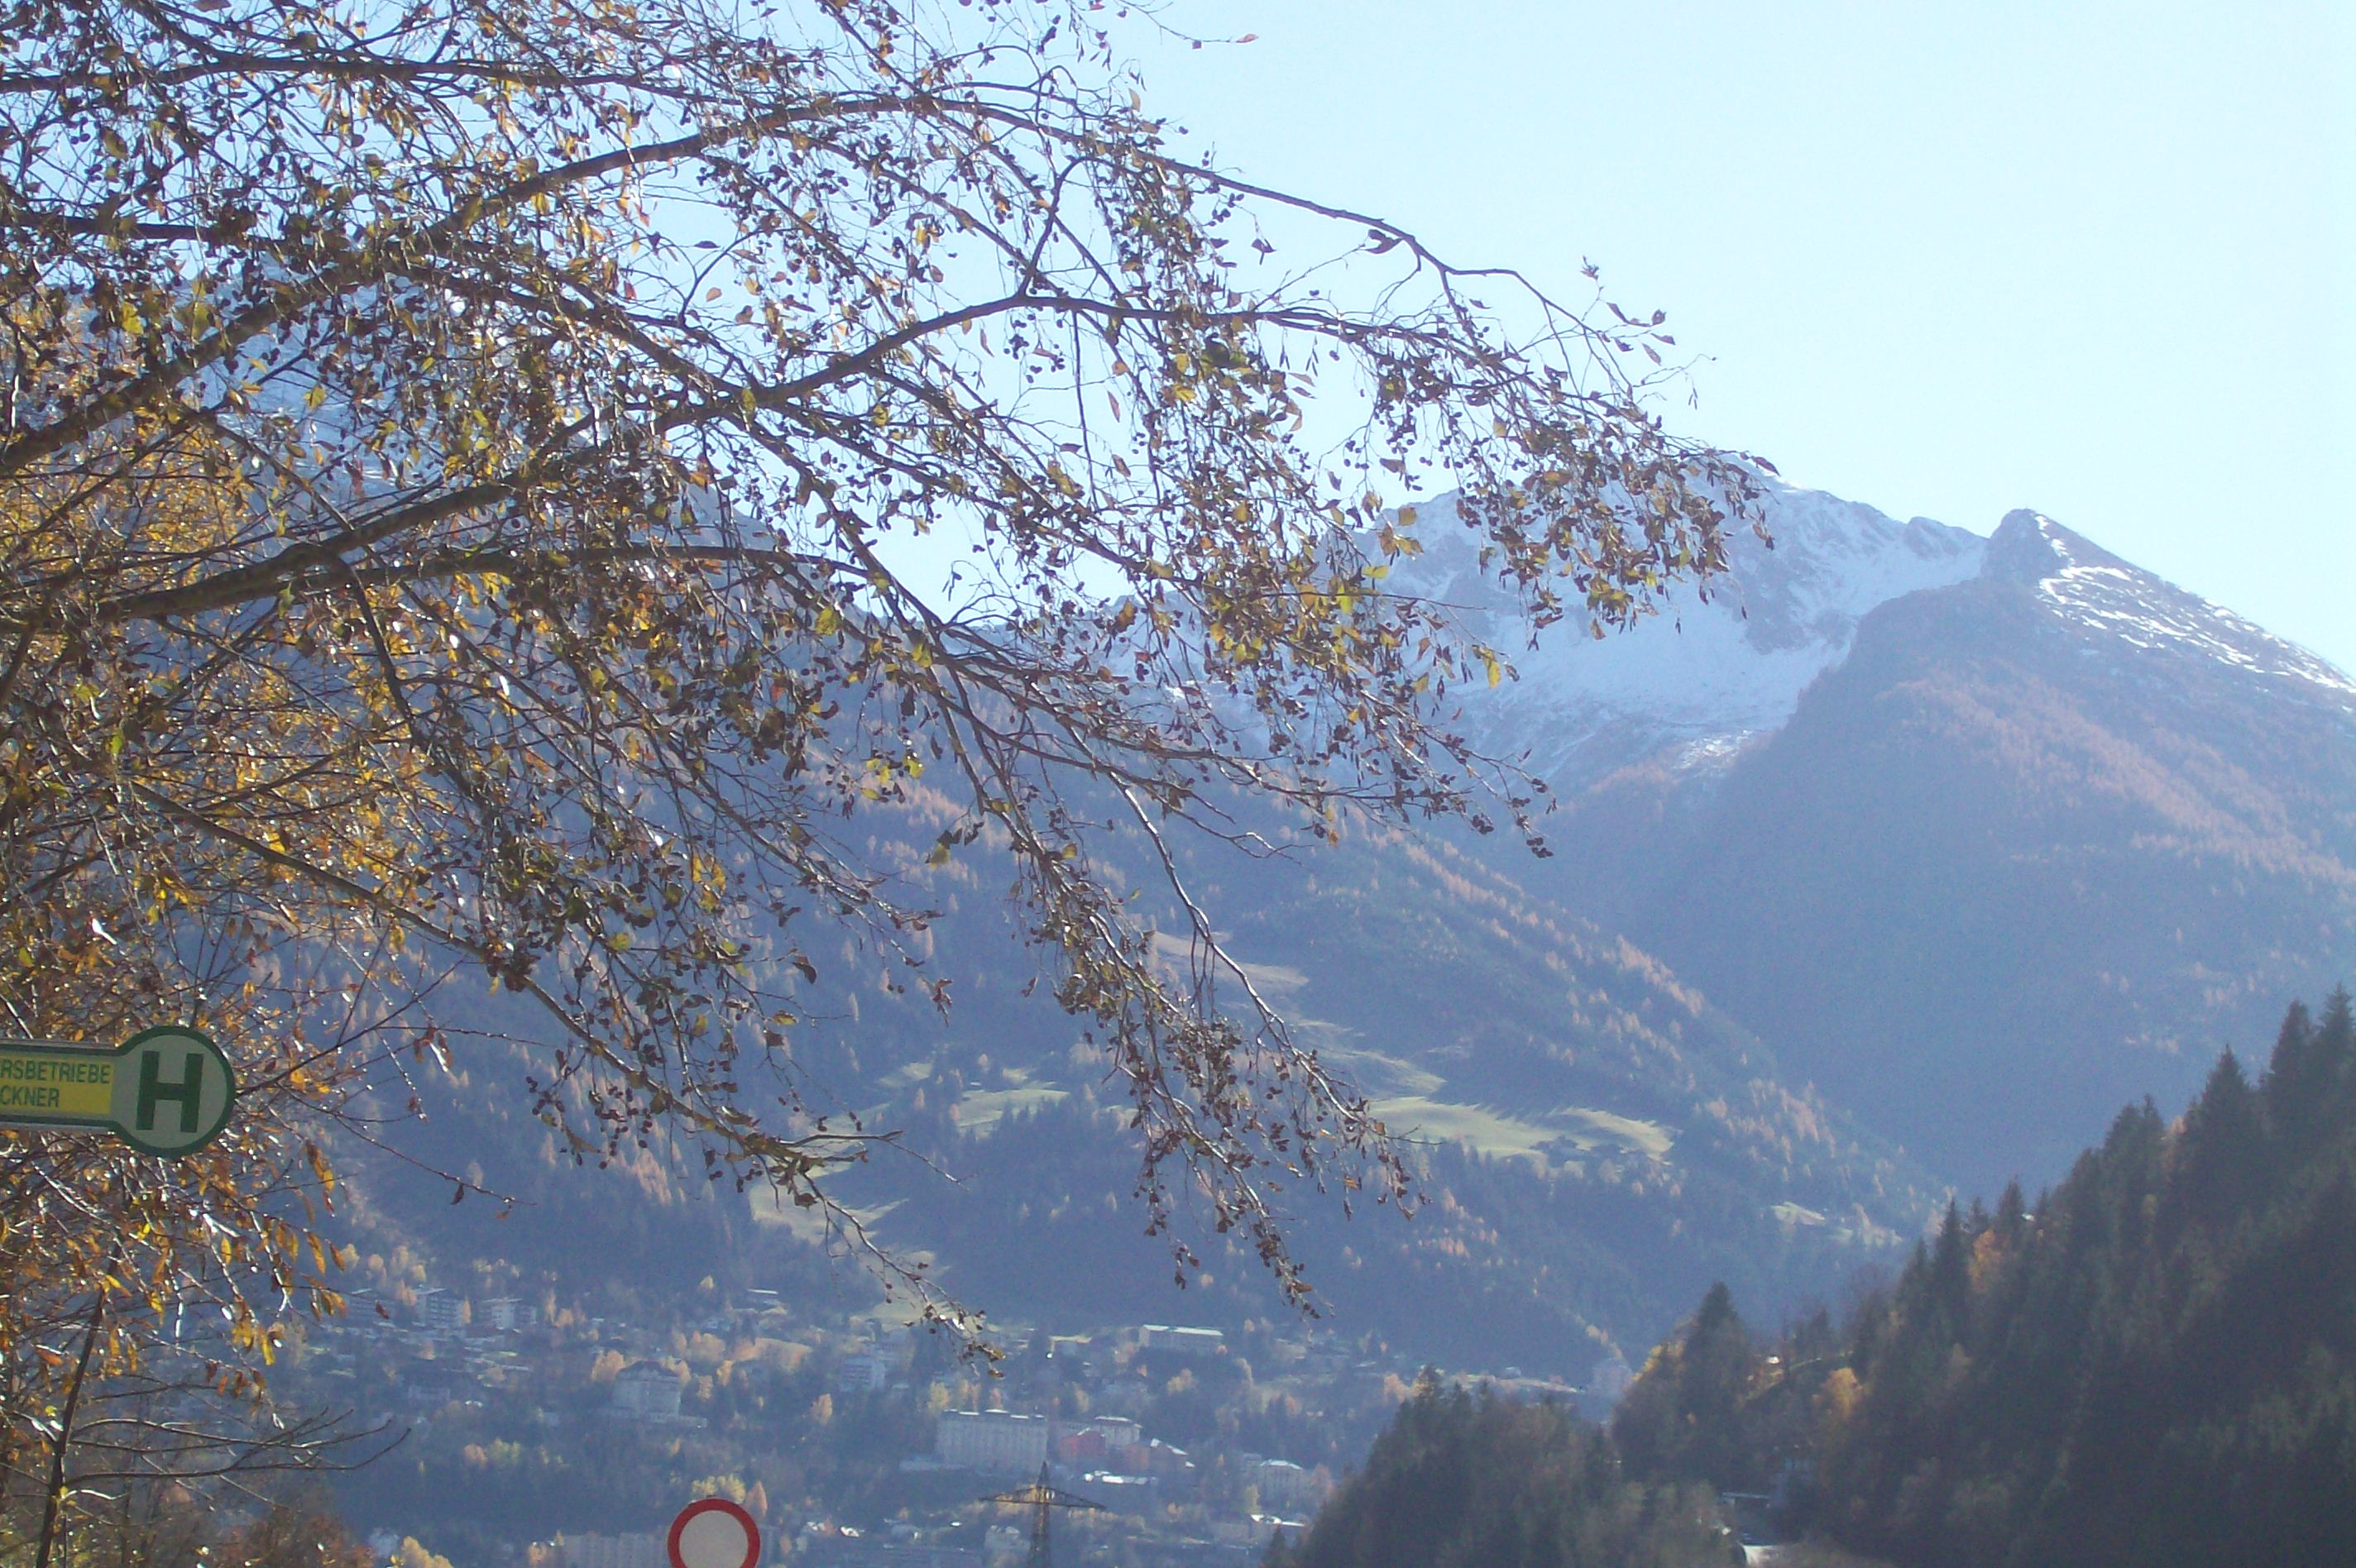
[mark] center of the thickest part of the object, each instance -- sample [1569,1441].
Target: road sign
[164,1091]
[712,1532]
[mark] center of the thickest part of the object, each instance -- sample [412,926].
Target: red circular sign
[712,1532]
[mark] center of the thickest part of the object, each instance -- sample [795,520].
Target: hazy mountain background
[2040,836]
[1595,1142]
[1892,865]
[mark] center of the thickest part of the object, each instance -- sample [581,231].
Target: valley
[1937,854]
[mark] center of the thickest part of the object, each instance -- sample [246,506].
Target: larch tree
[467,473]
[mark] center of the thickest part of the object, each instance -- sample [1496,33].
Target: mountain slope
[2031,845]
[1718,666]
[1596,1138]
[1595,1142]
[1977,837]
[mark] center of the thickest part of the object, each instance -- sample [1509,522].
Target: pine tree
[2012,1215]
[2220,1154]
[1464,1480]
[2294,1074]
[1684,1415]
[1951,1274]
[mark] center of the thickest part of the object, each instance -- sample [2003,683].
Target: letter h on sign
[187,1093]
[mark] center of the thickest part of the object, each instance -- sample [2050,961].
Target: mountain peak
[2090,588]
[1714,669]
[1714,665]
[2029,547]
[2020,552]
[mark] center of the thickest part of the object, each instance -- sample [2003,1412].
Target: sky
[2098,260]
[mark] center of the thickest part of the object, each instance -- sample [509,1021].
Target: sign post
[712,1532]
[164,1091]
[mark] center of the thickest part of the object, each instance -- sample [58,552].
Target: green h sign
[187,1092]
[165,1091]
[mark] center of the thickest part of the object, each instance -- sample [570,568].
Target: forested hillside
[2156,1362]
[2038,844]
[1593,1143]
[1467,1480]
[1961,808]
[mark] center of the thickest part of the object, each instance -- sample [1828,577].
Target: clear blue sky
[2099,260]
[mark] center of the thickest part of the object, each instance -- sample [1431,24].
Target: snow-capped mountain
[1725,664]
[1718,665]
[2090,588]
[1997,833]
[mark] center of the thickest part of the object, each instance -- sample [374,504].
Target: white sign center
[714,1534]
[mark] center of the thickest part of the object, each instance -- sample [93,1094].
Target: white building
[645,1388]
[613,1551]
[441,1311]
[992,1441]
[506,1314]
[1285,1485]
[869,1371]
[1184,1341]
[1118,1431]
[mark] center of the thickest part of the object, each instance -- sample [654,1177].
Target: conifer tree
[2221,1153]
[2156,1364]
[1473,1480]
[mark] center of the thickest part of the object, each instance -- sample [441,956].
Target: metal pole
[1041,1553]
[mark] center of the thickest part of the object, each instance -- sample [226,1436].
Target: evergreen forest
[2154,1363]
[1466,1479]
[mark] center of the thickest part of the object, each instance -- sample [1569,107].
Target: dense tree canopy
[491,495]
[2154,1363]
[1682,1416]
[1460,1479]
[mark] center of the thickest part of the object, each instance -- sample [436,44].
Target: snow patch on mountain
[1719,662]
[1726,661]
[2094,589]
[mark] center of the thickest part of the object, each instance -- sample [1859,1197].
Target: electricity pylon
[1042,1496]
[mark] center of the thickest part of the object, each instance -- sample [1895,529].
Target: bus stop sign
[164,1091]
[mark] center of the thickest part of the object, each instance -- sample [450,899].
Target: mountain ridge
[1724,661]
[2003,803]
[1773,949]
[1719,662]
[2093,587]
